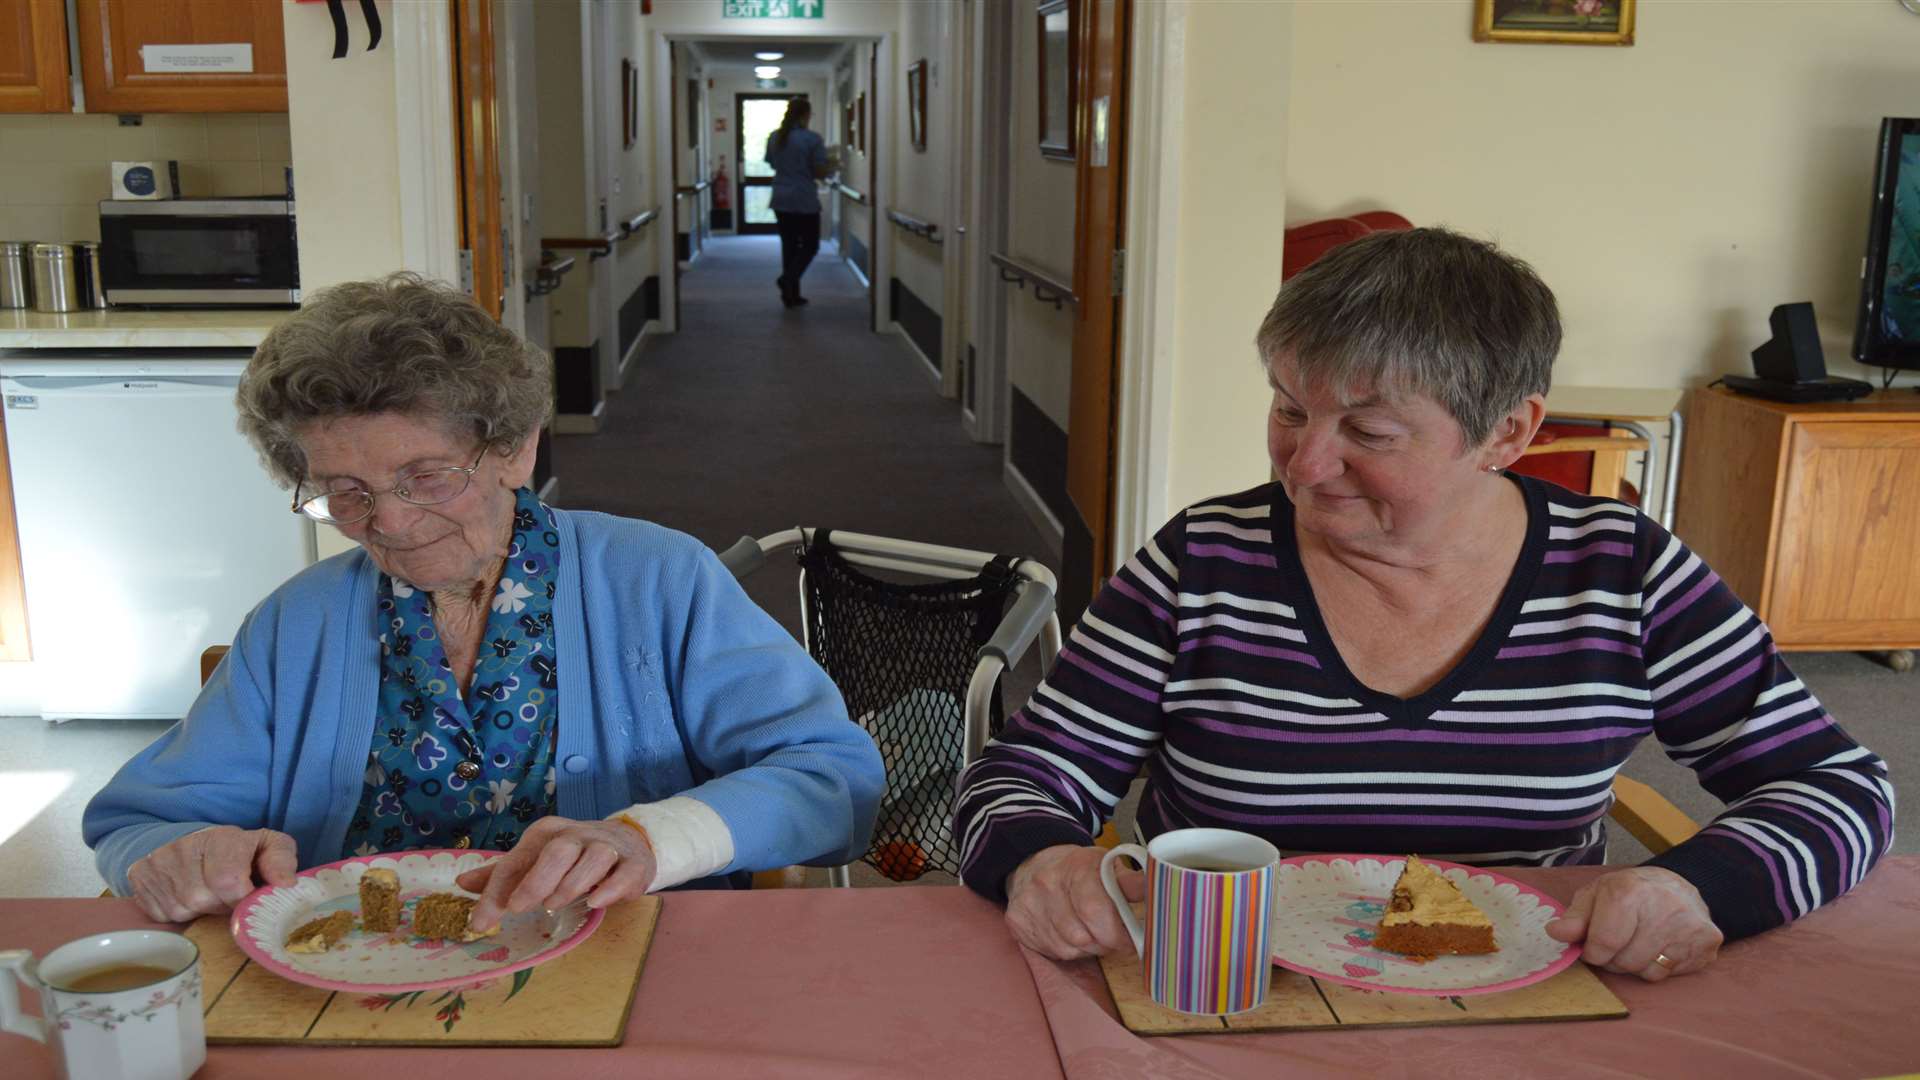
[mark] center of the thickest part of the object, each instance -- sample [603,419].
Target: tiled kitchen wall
[55,169]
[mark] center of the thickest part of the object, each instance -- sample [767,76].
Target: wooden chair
[1594,461]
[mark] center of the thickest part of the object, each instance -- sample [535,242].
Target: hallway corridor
[755,418]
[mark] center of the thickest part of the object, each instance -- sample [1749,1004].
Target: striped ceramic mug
[1209,900]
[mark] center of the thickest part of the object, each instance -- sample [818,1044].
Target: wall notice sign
[197,58]
[771,9]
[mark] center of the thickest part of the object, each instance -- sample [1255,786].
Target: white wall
[346,159]
[1206,224]
[921,178]
[1671,192]
[564,179]
[54,169]
[637,258]
[1039,338]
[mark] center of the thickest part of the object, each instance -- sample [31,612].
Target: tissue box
[146,179]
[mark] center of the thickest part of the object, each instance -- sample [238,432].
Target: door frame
[882,118]
[740,226]
[957,27]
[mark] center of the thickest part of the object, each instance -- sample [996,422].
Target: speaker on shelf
[1791,366]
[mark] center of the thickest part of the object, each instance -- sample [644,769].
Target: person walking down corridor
[799,159]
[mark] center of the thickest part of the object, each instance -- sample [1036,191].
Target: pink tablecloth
[920,982]
[1835,995]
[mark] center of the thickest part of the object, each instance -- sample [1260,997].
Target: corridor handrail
[546,277]
[920,227]
[1046,287]
[597,247]
[692,189]
[637,222]
[852,194]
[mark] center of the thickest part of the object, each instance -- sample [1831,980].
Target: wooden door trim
[477,146]
[47,52]
[1100,221]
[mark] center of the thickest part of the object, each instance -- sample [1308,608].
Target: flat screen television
[1887,334]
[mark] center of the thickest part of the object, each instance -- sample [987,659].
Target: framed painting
[917,105]
[1057,69]
[860,121]
[1565,22]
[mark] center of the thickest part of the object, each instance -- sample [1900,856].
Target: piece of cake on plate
[321,934]
[1429,916]
[445,915]
[380,900]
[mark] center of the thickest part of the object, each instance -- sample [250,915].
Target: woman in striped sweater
[1399,646]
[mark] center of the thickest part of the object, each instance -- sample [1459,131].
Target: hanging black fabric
[902,656]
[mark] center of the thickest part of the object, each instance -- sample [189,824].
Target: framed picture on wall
[860,121]
[846,124]
[917,105]
[1056,77]
[1566,22]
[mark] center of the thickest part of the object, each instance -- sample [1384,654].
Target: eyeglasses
[429,487]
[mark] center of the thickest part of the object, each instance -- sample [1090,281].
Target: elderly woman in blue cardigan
[593,694]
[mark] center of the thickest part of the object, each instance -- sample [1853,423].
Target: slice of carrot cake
[321,934]
[1429,916]
[445,915]
[380,900]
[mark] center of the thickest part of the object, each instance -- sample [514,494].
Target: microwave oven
[199,252]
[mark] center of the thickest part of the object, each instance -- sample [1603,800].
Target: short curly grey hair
[1423,311]
[401,344]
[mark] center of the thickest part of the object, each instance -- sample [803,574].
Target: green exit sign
[771,9]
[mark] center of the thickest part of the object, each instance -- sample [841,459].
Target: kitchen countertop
[120,328]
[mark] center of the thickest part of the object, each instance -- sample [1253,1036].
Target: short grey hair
[401,344]
[1421,311]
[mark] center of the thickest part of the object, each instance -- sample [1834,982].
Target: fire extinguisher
[721,199]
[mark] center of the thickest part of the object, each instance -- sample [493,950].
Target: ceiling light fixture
[767,72]
[769,56]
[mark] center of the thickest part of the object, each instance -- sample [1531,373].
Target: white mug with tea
[123,1005]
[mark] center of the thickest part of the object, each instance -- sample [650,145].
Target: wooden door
[1099,222]
[1844,576]
[33,56]
[482,232]
[112,33]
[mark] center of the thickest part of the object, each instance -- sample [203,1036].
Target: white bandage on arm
[689,839]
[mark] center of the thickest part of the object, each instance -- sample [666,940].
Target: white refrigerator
[148,528]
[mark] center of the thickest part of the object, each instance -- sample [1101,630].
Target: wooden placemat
[581,998]
[1297,1002]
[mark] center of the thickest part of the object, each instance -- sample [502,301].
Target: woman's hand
[557,861]
[1643,921]
[207,872]
[1057,907]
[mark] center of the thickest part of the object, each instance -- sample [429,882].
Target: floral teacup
[123,1005]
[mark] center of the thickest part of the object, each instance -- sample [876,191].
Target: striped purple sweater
[1205,660]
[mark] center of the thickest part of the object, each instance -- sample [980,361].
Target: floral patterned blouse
[448,771]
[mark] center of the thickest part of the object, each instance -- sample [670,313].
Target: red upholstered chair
[1305,243]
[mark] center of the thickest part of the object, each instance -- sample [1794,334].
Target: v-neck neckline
[1520,581]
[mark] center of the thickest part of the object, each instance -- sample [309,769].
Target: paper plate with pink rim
[1326,908]
[398,961]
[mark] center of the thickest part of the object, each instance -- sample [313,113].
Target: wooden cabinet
[33,56]
[112,33]
[1810,513]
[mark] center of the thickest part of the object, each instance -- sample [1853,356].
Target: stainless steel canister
[56,278]
[16,274]
[93,292]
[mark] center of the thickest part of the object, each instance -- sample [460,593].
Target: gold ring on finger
[1665,961]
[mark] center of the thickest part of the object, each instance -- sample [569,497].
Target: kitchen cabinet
[33,56]
[118,79]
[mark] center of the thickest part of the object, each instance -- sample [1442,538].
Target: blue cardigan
[672,682]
